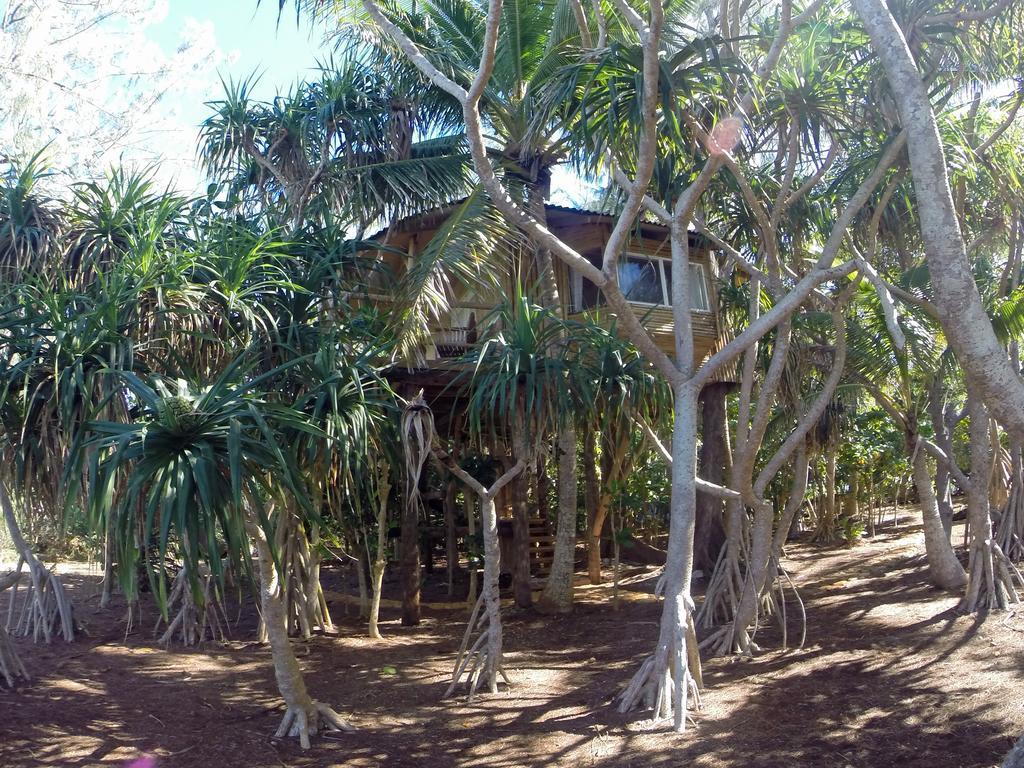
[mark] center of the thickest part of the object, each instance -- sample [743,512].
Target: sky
[250,39]
[102,83]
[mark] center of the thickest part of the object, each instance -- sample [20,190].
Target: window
[698,287]
[644,280]
[641,280]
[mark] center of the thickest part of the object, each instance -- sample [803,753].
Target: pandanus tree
[204,468]
[898,379]
[632,152]
[626,399]
[520,384]
[71,311]
[30,222]
[987,367]
[337,146]
[530,375]
[328,372]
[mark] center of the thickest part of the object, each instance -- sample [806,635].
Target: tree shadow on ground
[890,677]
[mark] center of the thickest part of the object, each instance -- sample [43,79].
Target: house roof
[435,217]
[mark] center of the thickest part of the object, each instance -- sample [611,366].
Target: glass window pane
[698,288]
[640,281]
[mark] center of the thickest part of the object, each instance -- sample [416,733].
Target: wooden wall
[587,233]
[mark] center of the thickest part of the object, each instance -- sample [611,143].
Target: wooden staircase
[542,546]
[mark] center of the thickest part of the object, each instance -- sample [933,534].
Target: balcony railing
[453,342]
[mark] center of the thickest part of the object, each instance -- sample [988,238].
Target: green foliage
[193,462]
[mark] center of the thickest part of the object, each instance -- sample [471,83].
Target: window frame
[576,289]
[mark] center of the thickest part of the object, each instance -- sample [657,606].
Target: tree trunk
[989,370]
[937,414]
[410,565]
[482,660]
[543,489]
[666,679]
[1016,757]
[944,570]
[594,538]
[761,539]
[108,560]
[944,500]
[595,511]
[451,541]
[47,604]
[470,506]
[11,668]
[303,715]
[709,534]
[828,520]
[990,580]
[364,579]
[302,595]
[380,559]
[521,591]
[491,597]
[1010,533]
[557,594]
[558,590]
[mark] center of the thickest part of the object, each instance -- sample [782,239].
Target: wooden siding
[586,233]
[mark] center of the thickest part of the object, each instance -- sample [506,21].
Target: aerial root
[45,607]
[305,605]
[669,681]
[721,598]
[995,581]
[669,689]
[194,622]
[475,662]
[11,668]
[297,721]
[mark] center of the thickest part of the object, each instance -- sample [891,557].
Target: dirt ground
[890,676]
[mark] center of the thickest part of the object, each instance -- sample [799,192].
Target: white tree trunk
[108,560]
[46,604]
[990,580]
[482,660]
[11,668]
[380,559]
[668,678]
[1016,757]
[988,370]
[492,599]
[303,716]
[944,570]
[470,507]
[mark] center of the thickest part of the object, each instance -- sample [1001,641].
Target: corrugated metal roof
[404,225]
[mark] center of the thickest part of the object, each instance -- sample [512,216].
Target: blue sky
[252,40]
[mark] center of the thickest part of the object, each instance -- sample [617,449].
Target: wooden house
[645,274]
